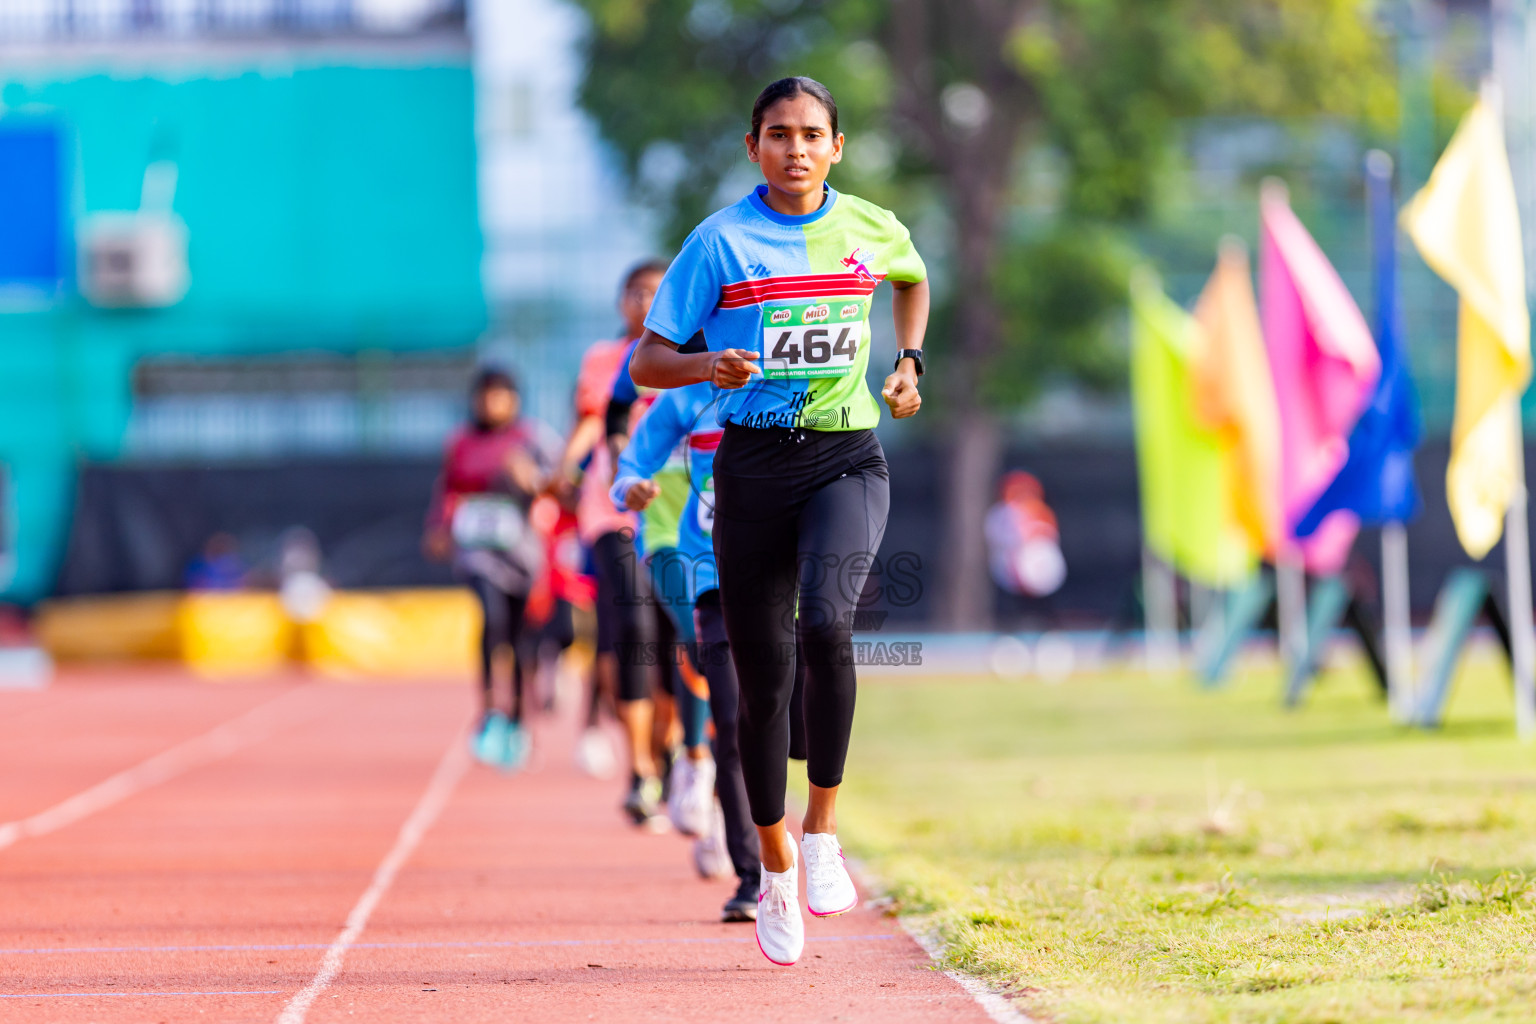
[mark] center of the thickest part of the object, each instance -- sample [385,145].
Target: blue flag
[1377,482]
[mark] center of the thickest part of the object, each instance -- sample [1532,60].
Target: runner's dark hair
[654,265]
[787,89]
[490,376]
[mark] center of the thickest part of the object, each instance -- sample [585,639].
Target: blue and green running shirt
[797,290]
[659,522]
[681,418]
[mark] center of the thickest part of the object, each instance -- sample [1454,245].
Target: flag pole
[1517,538]
[1397,624]
[1517,554]
[1209,625]
[1160,611]
[1159,582]
[1290,570]
[1291,603]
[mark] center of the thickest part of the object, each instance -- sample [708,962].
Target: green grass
[1116,848]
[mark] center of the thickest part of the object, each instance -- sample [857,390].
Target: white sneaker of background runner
[780,928]
[710,857]
[828,889]
[679,786]
[695,812]
[594,754]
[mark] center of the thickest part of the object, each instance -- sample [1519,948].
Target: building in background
[275,231]
[242,228]
[559,229]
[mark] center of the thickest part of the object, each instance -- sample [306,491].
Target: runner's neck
[794,205]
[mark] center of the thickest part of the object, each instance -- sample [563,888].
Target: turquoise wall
[330,207]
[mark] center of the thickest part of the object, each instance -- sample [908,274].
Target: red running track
[213,884]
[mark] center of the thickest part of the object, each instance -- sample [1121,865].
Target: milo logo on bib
[812,339]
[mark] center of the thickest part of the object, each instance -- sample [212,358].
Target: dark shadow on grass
[1327,881]
[1306,882]
[1380,735]
[1373,736]
[1517,779]
[1478,728]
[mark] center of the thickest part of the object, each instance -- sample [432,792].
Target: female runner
[690,784]
[781,284]
[492,469]
[625,616]
[687,415]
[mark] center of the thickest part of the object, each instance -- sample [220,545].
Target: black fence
[137,527]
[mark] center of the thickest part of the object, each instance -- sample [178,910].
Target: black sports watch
[914,354]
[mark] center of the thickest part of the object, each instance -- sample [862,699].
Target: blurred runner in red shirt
[493,468]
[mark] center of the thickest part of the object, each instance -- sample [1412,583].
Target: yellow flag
[1235,396]
[1466,224]
[1184,466]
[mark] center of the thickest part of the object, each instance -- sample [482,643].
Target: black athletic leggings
[502,621]
[624,602]
[799,515]
[715,661]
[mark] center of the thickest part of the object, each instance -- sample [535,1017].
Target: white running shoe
[679,788]
[828,889]
[594,754]
[780,928]
[710,857]
[692,806]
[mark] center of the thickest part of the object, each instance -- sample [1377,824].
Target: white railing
[88,20]
[255,426]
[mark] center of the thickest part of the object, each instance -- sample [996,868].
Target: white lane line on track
[992,1003]
[995,1005]
[95,995]
[450,769]
[218,742]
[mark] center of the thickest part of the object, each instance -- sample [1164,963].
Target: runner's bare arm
[585,434]
[436,543]
[909,305]
[657,363]
[524,472]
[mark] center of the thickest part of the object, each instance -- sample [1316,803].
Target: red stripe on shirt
[806,286]
[705,440]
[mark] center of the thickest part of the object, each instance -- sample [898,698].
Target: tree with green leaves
[941,99]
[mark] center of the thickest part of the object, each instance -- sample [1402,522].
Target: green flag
[1184,467]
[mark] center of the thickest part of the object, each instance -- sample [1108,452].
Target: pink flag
[1324,365]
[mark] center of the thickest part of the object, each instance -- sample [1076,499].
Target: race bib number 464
[811,339]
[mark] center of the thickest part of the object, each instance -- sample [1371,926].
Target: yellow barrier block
[112,627]
[394,633]
[234,634]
